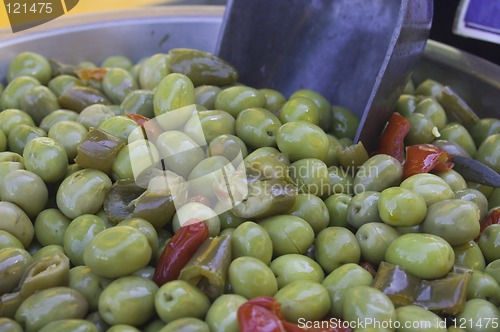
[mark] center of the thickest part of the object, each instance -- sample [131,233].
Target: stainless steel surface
[141,32]
[356,53]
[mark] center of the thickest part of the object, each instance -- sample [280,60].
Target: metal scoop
[357,53]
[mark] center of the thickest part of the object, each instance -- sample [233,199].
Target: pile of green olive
[79,241]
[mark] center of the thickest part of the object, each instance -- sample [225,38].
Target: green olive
[483,286]
[117,251]
[15,90]
[312,209]
[8,166]
[119,126]
[489,242]
[489,152]
[199,211]
[454,179]
[426,256]
[250,277]
[117,83]
[13,263]
[79,234]
[374,238]
[128,300]
[324,107]
[22,135]
[70,325]
[15,221]
[473,195]
[222,315]
[3,141]
[455,220]
[229,146]
[301,139]
[56,116]
[139,102]
[47,158]
[49,305]
[32,64]
[257,127]
[476,314]
[39,102]
[493,199]
[26,189]
[205,95]
[406,105]
[299,109]
[274,99]
[378,173]
[340,280]
[69,134]
[457,133]
[422,129]
[451,147]
[48,251]
[368,304]
[493,269]
[311,176]
[431,187]
[187,324]
[469,254]
[304,299]
[433,110]
[483,128]
[9,325]
[172,92]
[250,239]
[238,98]
[50,226]
[7,240]
[268,152]
[363,208]
[89,284]
[289,234]
[416,318]
[61,83]
[337,205]
[82,192]
[146,228]
[344,122]
[97,320]
[122,328]
[179,299]
[336,246]
[179,152]
[11,118]
[94,115]
[292,267]
[153,70]
[395,204]
[429,88]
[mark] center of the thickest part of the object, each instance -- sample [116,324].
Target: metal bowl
[141,32]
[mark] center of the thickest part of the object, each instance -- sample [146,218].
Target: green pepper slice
[208,267]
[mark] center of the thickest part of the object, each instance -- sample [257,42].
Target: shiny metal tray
[141,32]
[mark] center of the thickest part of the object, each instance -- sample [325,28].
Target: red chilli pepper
[392,139]
[139,119]
[423,158]
[262,314]
[151,129]
[179,250]
[91,73]
[490,219]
